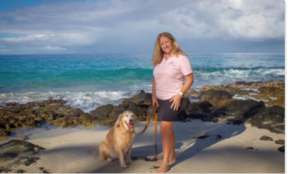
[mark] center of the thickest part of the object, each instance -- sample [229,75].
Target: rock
[279,129]
[141,99]
[116,111]
[203,116]
[267,138]
[281,149]
[185,102]
[31,160]
[274,114]
[214,95]
[181,116]
[104,110]
[243,106]
[280,142]
[276,92]
[4,133]
[199,106]
[22,138]
[138,111]
[271,118]
[54,101]
[13,149]
[150,111]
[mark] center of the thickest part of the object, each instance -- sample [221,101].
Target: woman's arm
[154,100]
[189,79]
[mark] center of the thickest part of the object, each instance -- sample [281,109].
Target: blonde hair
[158,52]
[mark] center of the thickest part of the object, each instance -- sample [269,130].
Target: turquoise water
[88,81]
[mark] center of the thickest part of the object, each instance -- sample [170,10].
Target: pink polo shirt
[169,75]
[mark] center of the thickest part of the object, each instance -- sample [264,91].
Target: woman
[171,66]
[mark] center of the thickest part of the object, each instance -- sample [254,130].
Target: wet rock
[141,99]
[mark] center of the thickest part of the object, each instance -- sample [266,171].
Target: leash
[155,131]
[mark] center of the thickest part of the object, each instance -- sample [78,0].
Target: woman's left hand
[176,102]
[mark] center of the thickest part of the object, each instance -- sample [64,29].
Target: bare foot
[163,169]
[160,160]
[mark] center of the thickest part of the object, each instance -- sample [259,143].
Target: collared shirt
[169,75]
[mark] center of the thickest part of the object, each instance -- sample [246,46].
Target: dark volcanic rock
[141,99]
[185,103]
[244,105]
[181,116]
[214,95]
[17,152]
[199,106]
[271,118]
[104,110]
[281,149]
[267,138]
[4,133]
[280,142]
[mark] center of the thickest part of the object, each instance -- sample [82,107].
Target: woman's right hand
[155,102]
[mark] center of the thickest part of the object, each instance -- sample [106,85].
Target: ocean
[89,81]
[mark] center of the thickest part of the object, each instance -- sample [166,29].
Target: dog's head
[126,120]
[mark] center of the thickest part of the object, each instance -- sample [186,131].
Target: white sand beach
[67,150]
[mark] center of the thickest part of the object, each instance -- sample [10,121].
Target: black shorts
[165,113]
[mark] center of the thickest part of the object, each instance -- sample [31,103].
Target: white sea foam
[233,75]
[86,101]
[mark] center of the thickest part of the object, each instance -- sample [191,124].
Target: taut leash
[155,131]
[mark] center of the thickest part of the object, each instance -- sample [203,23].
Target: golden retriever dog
[119,139]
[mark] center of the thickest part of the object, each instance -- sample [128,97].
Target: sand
[67,150]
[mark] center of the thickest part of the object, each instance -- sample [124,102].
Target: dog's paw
[128,161]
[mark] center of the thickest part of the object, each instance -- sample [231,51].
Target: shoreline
[233,135]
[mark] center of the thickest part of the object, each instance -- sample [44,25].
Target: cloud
[119,25]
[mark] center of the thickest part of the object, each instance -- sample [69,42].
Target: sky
[131,26]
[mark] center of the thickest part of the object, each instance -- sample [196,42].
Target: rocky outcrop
[272,93]
[215,104]
[15,153]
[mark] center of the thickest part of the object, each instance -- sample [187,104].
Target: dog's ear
[119,120]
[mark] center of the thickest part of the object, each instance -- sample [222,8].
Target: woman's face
[166,44]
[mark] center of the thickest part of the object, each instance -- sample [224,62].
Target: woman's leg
[172,157]
[167,145]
